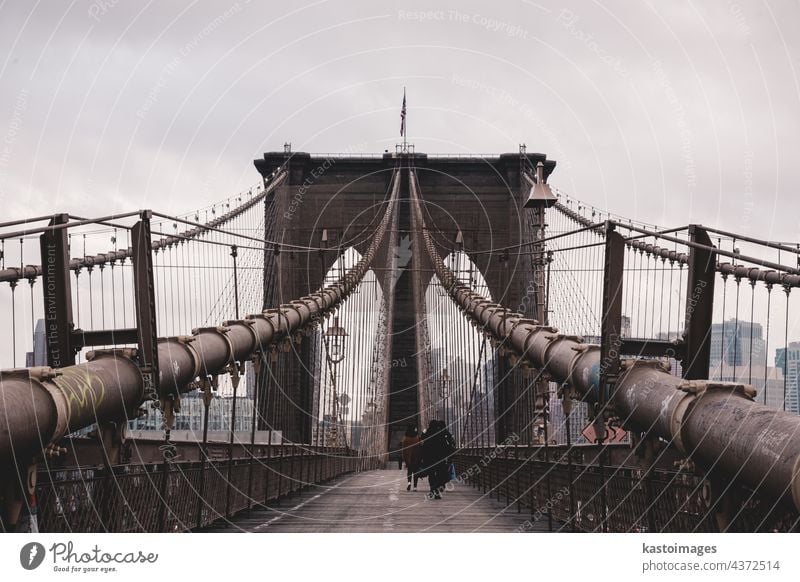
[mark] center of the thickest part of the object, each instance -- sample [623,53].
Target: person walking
[437,447]
[412,454]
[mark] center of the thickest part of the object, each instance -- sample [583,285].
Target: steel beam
[104,337]
[699,306]
[652,348]
[145,297]
[56,284]
[611,324]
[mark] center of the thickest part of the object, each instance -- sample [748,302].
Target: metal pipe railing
[781,275]
[33,271]
[716,424]
[40,405]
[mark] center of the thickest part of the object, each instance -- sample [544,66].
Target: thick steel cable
[14,274]
[666,399]
[775,273]
[209,352]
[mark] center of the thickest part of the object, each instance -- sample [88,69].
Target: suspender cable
[64,401]
[696,416]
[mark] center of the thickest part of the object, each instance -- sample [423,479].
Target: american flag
[403,115]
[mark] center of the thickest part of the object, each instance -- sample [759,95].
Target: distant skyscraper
[737,343]
[38,357]
[437,359]
[250,379]
[192,413]
[578,419]
[625,328]
[788,360]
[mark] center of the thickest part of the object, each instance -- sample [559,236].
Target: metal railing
[566,486]
[184,494]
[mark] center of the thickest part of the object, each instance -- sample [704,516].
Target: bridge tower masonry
[340,197]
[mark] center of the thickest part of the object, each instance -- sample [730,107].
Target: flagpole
[405,122]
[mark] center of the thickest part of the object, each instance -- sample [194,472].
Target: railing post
[610,343]
[611,323]
[147,336]
[267,384]
[257,362]
[145,300]
[208,395]
[567,407]
[56,284]
[699,306]
[235,378]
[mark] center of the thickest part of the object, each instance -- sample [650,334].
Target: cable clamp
[700,387]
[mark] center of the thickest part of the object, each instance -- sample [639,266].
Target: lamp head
[336,341]
[540,194]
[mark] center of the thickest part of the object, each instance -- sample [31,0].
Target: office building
[737,343]
[788,361]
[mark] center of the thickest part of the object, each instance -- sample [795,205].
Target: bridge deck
[377,501]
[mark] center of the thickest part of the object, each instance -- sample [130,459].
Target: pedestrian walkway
[377,501]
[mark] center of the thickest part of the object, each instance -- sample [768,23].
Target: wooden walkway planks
[377,501]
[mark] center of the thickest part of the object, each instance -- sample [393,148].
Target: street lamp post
[337,338]
[444,392]
[540,198]
[336,342]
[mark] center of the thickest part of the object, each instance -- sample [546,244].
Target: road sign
[613,434]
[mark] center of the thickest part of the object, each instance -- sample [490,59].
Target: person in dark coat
[412,454]
[437,447]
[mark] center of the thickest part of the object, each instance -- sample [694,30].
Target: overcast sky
[667,112]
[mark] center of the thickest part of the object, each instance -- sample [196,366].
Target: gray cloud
[669,113]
